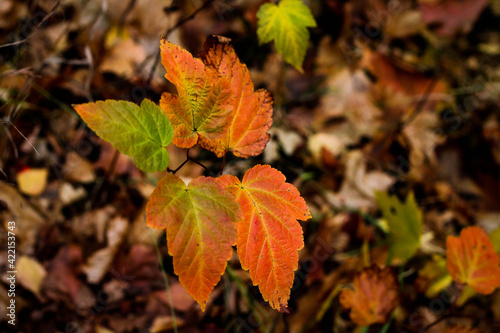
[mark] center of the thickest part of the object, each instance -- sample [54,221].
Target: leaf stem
[182,164]
[172,29]
[203,166]
[223,164]
[189,158]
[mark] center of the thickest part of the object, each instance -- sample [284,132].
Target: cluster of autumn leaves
[215,106]
[471,261]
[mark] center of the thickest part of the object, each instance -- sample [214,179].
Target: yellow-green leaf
[405,223]
[286,24]
[141,132]
[434,276]
[495,240]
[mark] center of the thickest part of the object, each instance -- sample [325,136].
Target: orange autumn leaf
[471,259]
[247,135]
[199,219]
[269,235]
[203,106]
[374,295]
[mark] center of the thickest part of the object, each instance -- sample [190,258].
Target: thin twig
[223,163]
[189,158]
[126,12]
[88,80]
[24,137]
[46,17]
[182,164]
[172,29]
[421,103]
[11,140]
[435,322]
[27,71]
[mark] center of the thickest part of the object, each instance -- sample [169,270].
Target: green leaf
[286,24]
[141,132]
[405,223]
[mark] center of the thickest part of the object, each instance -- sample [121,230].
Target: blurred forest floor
[396,96]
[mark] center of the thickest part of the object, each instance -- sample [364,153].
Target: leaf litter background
[396,96]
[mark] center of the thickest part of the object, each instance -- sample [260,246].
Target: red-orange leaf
[247,136]
[471,259]
[203,104]
[373,296]
[269,235]
[200,227]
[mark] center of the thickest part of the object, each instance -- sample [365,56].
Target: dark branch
[172,29]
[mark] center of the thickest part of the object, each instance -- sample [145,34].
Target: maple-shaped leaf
[269,235]
[372,297]
[405,223]
[142,132]
[200,227]
[286,24]
[471,259]
[247,135]
[203,104]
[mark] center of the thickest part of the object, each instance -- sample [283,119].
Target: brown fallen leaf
[461,329]
[98,263]
[20,209]
[123,58]
[62,282]
[165,323]
[101,329]
[374,295]
[452,16]
[78,169]
[349,97]
[182,301]
[359,185]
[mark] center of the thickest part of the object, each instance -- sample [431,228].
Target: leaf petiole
[189,158]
